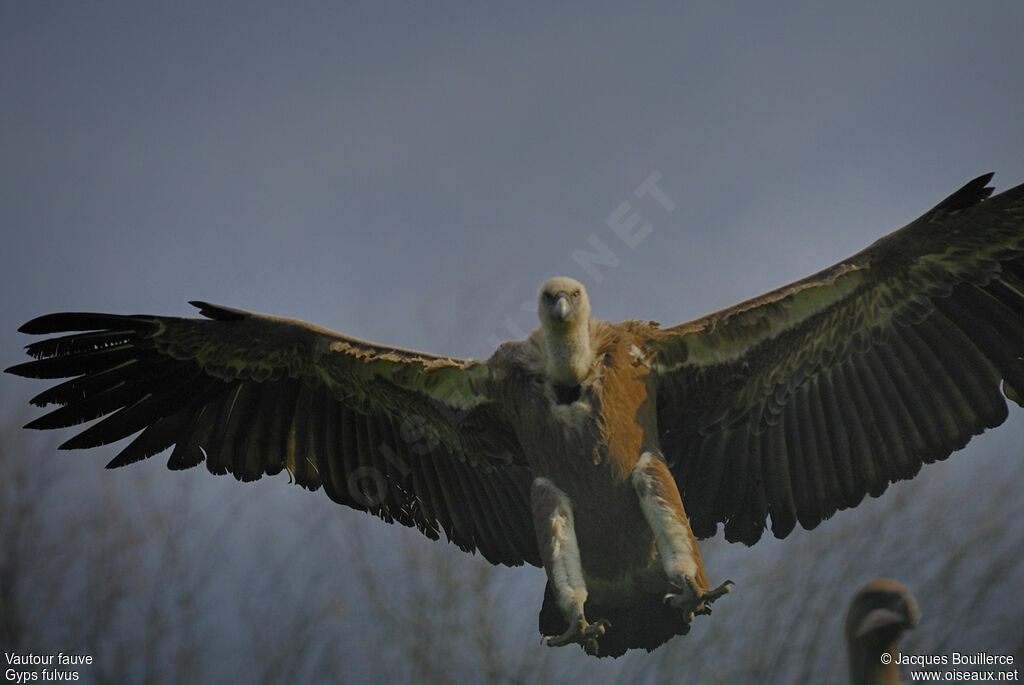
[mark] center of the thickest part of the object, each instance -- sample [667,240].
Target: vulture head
[563,304]
[879,614]
[564,312]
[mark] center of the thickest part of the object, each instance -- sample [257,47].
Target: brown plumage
[880,613]
[579,447]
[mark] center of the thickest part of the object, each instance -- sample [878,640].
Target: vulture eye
[575,294]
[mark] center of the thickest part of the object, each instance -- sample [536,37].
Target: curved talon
[692,602]
[723,589]
[598,629]
[581,632]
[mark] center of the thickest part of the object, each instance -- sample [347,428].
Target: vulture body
[879,614]
[597,450]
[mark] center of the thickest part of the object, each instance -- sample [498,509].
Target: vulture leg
[677,548]
[556,533]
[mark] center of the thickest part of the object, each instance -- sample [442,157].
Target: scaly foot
[581,632]
[693,602]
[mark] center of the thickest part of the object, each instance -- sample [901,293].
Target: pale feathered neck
[569,353]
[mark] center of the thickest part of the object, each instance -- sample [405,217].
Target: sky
[410,174]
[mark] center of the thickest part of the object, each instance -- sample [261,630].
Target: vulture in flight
[597,450]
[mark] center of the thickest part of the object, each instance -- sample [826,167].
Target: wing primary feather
[235,422]
[921,393]
[261,455]
[955,415]
[733,487]
[1004,321]
[430,492]
[83,321]
[831,440]
[779,487]
[365,467]
[156,438]
[395,464]
[421,491]
[844,420]
[78,343]
[203,437]
[503,545]
[895,388]
[332,465]
[186,452]
[251,459]
[971,194]
[867,455]
[387,504]
[977,379]
[279,421]
[519,500]
[480,523]
[804,464]
[983,334]
[461,532]
[392,467]
[96,405]
[349,452]
[205,433]
[78,364]
[496,537]
[522,501]
[700,499]
[133,417]
[897,426]
[1008,290]
[747,521]
[516,511]
[300,452]
[433,493]
[219,313]
[137,369]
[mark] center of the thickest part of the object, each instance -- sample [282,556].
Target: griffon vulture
[598,450]
[879,614]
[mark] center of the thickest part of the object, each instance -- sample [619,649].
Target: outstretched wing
[404,435]
[797,403]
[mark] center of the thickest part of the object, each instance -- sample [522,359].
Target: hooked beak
[883,618]
[561,308]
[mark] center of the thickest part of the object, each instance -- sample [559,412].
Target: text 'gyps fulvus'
[579,447]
